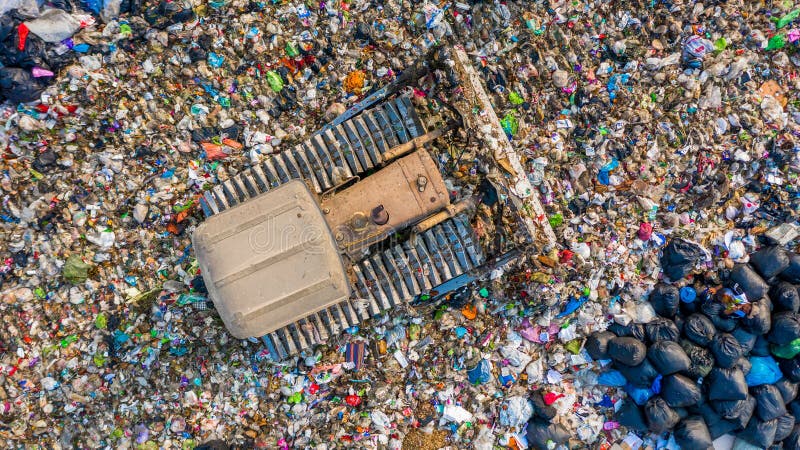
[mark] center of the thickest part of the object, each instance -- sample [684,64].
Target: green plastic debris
[720,45]
[788,18]
[295,398]
[100,321]
[275,81]
[75,270]
[414,331]
[574,346]
[515,99]
[556,220]
[787,351]
[777,42]
[291,50]
[99,359]
[39,292]
[510,124]
[125,29]
[484,292]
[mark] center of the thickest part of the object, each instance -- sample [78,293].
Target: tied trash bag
[785,328]
[763,370]
[627,350]
[665,299]
[788,389]
[699,329]
[790,368]
[701,358]
[680,257]
[542,433]
[749,281]
[717,426]
[770,261]
[746,340]
[785,297]
[793,440]
[726,384]
[612,378]
[744,365]
[660,416]
[792,272]
[760,347]
[597,344]
[641,375]
[759,320]
[661,329]
[737,411]
[679,391]
[667,357]
[634,330]
[640,395]
[784,427]
[769,402]
[726,350]
[759,433]
[629,415]
[540,408]
[19,86]
[692,433]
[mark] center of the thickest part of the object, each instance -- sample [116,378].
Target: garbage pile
[720,354]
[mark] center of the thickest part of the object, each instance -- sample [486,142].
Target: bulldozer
[360,217]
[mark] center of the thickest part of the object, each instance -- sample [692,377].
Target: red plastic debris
[551,397]
[352,400]
[22,34]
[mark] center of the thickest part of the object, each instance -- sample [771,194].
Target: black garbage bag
[746,340]
[661,329]
[759,320]
[749,281]
[769,402]
[761,347]
[792,442]
[630,415]
[627,350]
[540,432]
[770,261]
[680,257]
[701,358]
[33,54]
[668,357]
[692,433]
[713,310]
[634,330]
[641,375]
[597,344]
[660,416]
[785,328]
[726,384]
[759,433]
[717,426]
[699,329]
[788,389]
[726,350]
[215,444]
[665,299]
[792,273]
[679,391]
[790,368]
[784,428]
[19,86]
[541,409]
[744,365]
[739,412]
[785,297]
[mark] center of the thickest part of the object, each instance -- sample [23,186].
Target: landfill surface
[646,128]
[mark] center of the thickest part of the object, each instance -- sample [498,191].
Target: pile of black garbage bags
[723,356]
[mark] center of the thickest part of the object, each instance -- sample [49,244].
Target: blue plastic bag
[764,370]
[640,396]
[612,378]
[481,373]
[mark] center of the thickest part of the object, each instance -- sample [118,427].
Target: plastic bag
[759,433]
[667,357]
[792,272]
[692,433]
[679,391]
[627,350]
[638,394]
[759,320]
[790,368]
[612,378]
[634,330]
[541,433]
[746,340]
[19,86]
[793,440]
[660,417]
[784,427]
[726,384]
[744,365]
[629,415]
[726,350]
[699,329]
[597,344]
[661,329]
[761,347]
[764,370]
[701,358]
[540,408]
[788,389]
[769,402]
[785,328]
[770,261]
[54,25]
[641,375]
[717,426]
[749,281]
[665,299]
[785,297]
[680,257]
[737,411]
